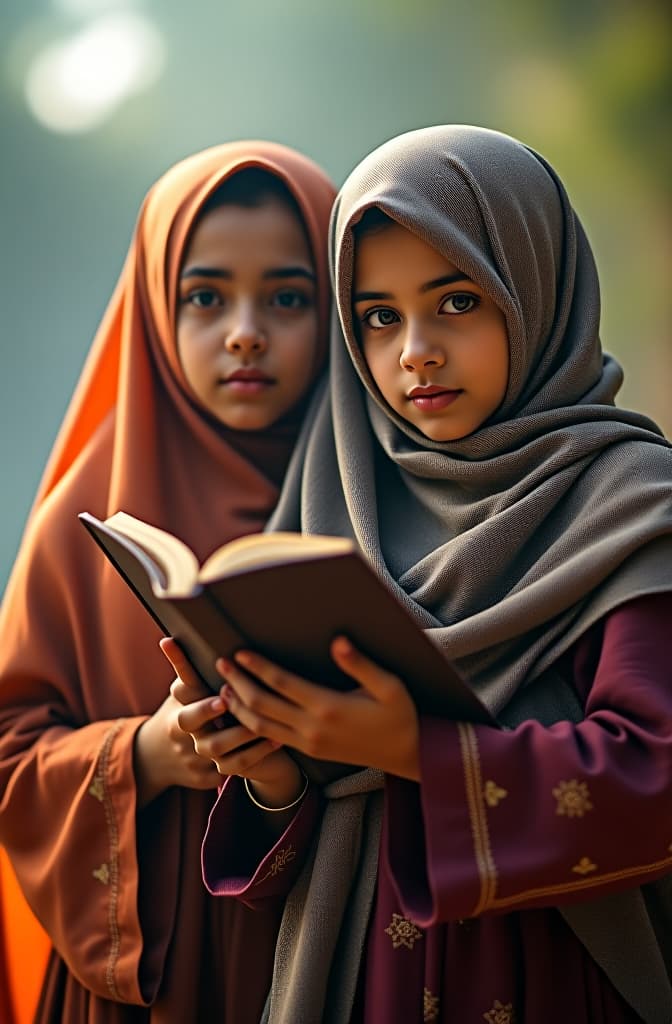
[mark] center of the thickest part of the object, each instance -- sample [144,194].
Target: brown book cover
[286,596]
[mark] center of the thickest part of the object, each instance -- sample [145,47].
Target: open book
[286,595]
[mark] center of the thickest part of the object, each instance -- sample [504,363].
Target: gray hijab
[506,545]
[509,543]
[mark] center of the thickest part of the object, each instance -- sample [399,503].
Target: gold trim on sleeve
[479,824]
[548,892]
[100,786]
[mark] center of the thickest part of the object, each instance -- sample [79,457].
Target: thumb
[373,678]
[177,658]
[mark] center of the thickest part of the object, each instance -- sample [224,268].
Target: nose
[245,336]
[418,352]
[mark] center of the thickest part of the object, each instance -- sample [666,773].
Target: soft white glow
[75,85]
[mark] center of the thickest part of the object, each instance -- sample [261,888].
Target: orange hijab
[134,438]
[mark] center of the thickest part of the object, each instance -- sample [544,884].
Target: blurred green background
[99,97]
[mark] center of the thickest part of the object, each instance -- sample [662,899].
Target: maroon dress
[505,826]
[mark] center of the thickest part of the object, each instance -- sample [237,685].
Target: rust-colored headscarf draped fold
[80,666]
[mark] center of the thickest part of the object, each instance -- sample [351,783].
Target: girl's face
[247,318]
[436,345]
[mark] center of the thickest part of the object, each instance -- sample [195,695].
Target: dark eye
[204,298]
[460,302]
[379,318]
[290,298]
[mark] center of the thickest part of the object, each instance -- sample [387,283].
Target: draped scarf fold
[506,545]
[136,438]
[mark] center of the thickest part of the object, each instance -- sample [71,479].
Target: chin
[434,432]
[248,422]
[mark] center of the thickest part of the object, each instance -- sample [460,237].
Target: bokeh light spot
[75,85]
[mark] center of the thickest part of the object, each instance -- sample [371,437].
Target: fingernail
[224,665]
[243,657]
[342,646]
[217,704]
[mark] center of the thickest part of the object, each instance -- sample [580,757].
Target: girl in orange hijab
[185,416]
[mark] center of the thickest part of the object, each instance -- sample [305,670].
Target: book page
[270,549]
[177,561]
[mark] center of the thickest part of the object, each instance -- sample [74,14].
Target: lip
[433,397]
[252,375]
[247,382]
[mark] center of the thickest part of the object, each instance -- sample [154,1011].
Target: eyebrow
[438,282]
[275,273]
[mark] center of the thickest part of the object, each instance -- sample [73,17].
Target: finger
[291,687]
[193,717]
[380,684]
[258,724]
[244,761]
[215,745]
[184,670]
[186,692]
[172,651]
[263,702]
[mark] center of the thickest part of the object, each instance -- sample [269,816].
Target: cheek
[181,341]
[191,343]
[492,361]
[379,362]
[186,351]
[297,357]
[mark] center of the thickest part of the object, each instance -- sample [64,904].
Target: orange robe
[119,892]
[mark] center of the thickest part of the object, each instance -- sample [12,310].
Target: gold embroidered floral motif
[585,866]
[500,1014]
[102,874]
[402,932]
[97,789]
[493,793]
[282,859]
[573,798]
[430,1006]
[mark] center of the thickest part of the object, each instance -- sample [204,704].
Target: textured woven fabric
[508,544]
[325,917]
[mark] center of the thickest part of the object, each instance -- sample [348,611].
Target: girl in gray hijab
[470,444]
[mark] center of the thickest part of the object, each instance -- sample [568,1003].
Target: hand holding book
[374,725]
[285,597]
[275,774]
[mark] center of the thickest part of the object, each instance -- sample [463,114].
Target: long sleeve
[254,869]
[540,816]
[67,784]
